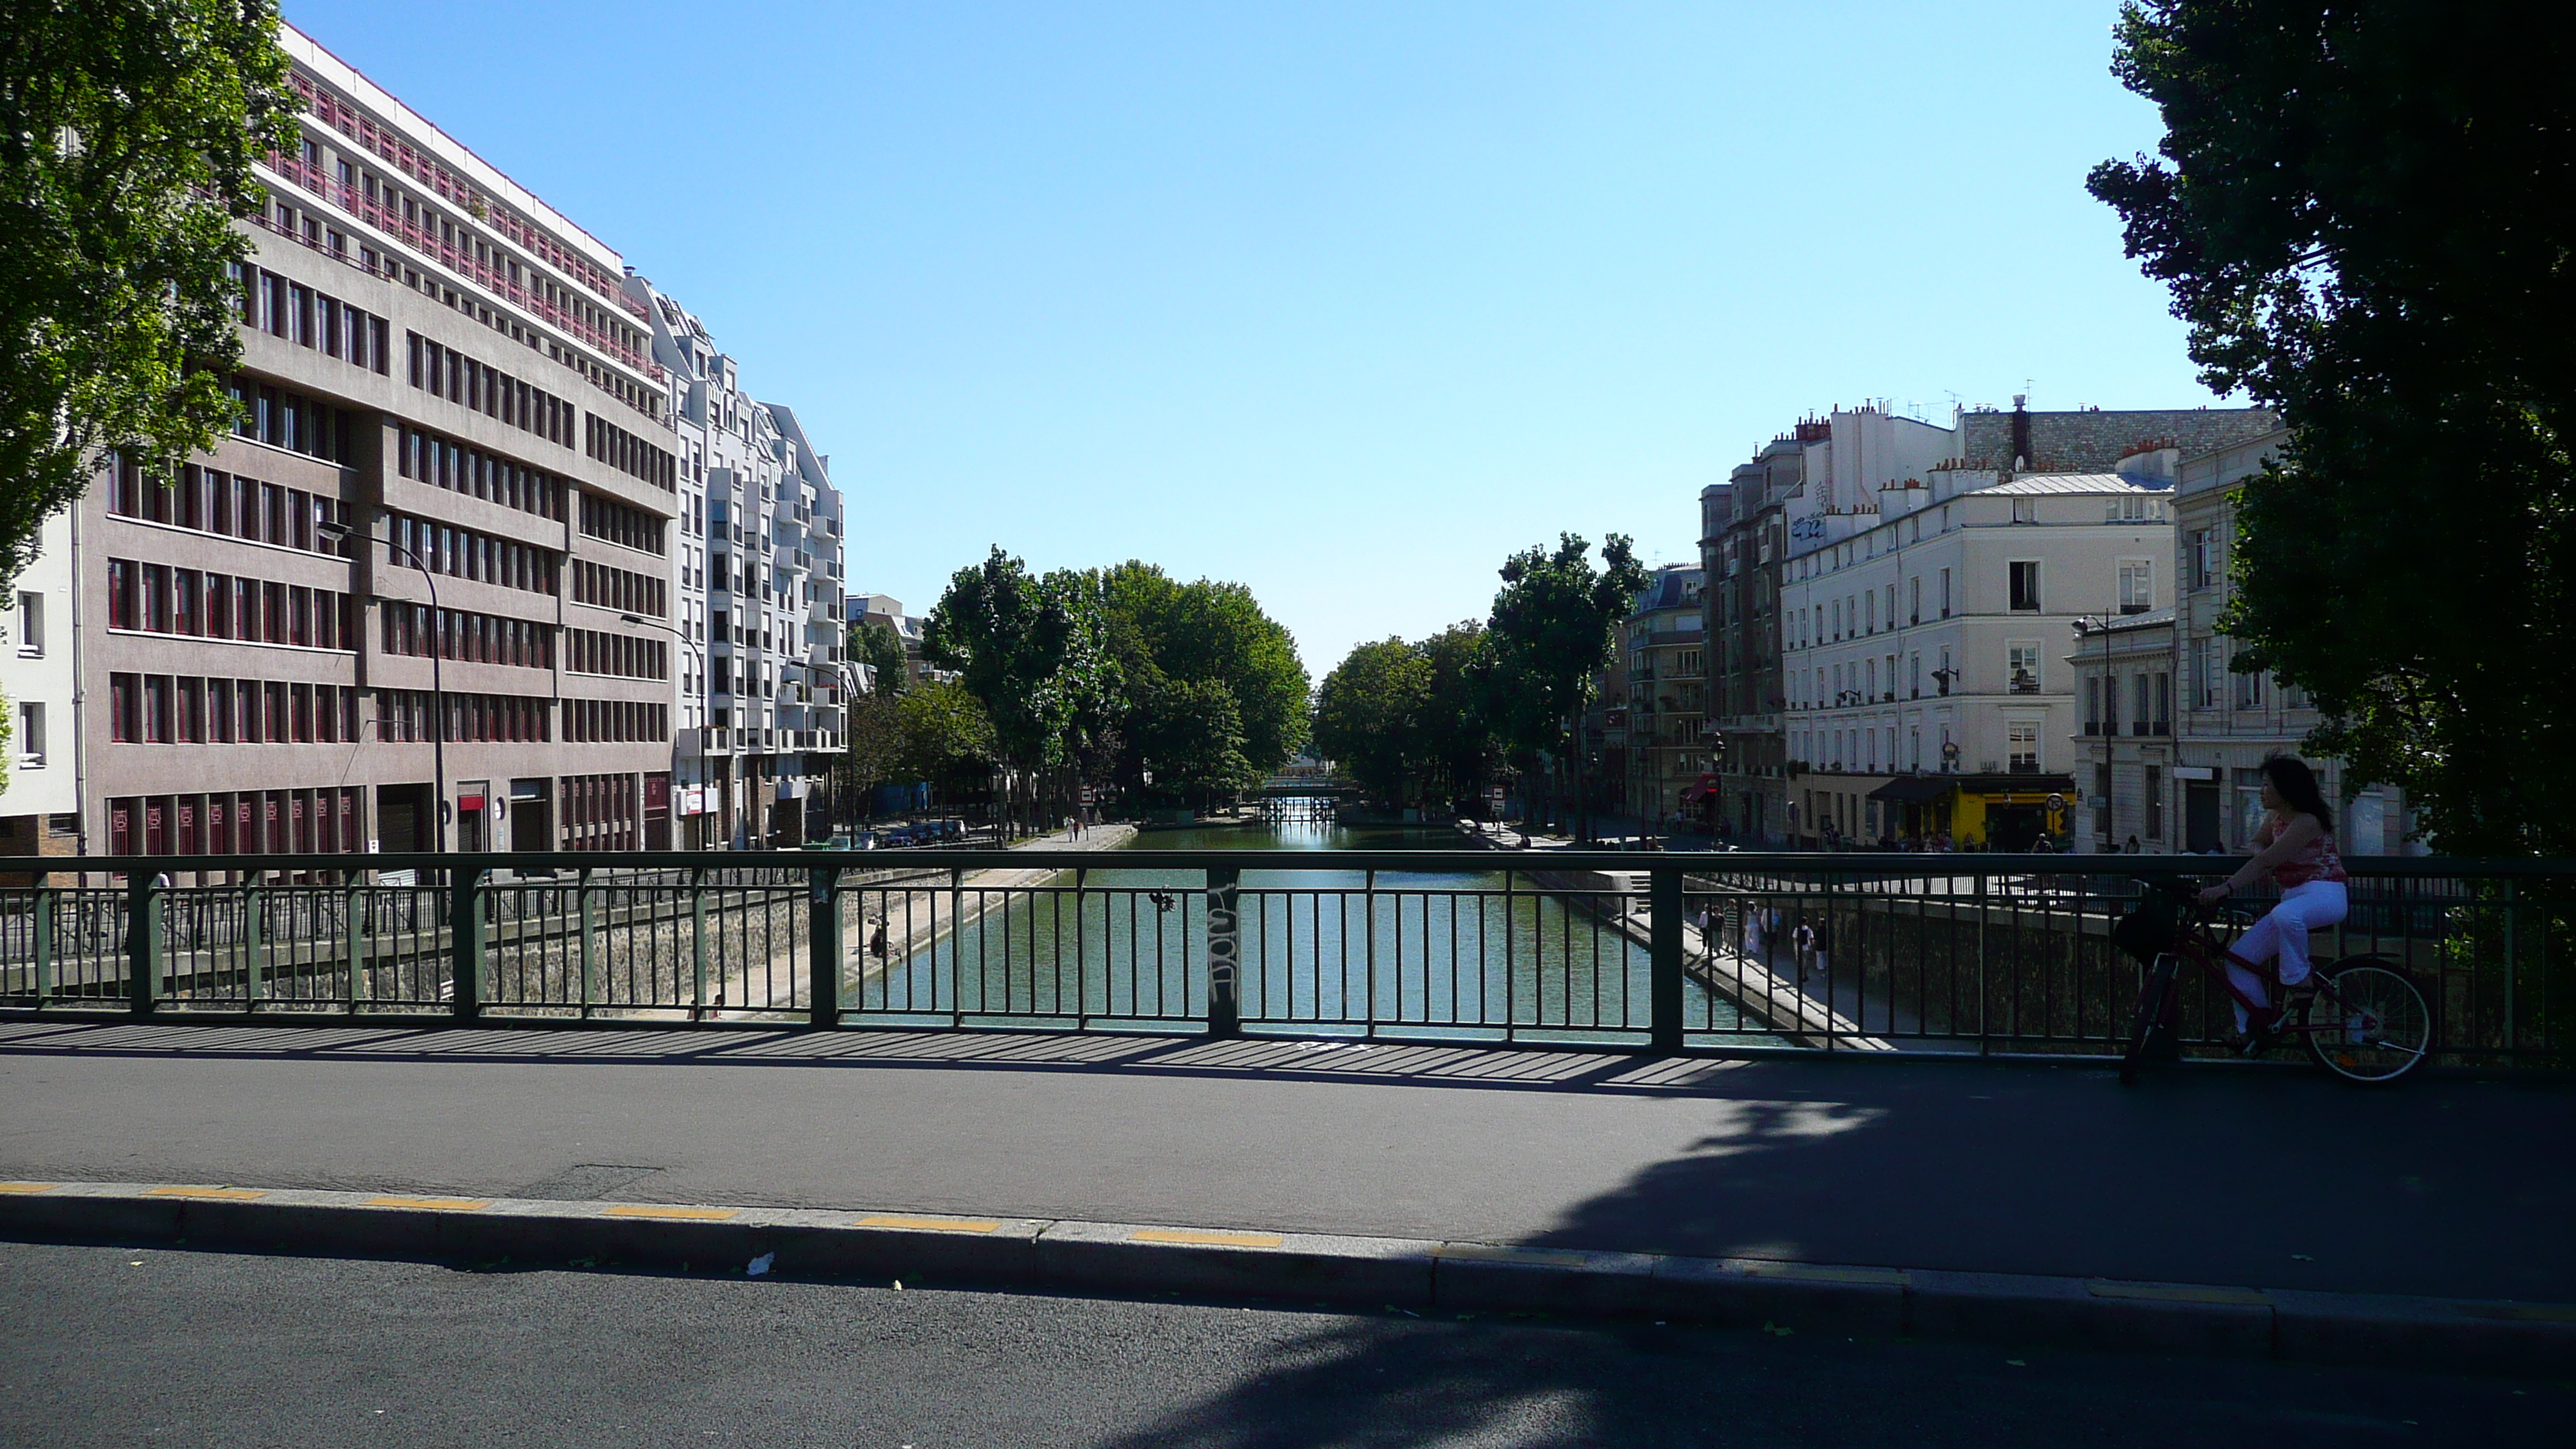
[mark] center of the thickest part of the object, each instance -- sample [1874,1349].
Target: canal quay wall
[1778,1002]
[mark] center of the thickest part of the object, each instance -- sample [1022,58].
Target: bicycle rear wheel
[2368,1022]
[2151,1011]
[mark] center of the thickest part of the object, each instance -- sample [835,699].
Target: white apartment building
[1925,650]
[757,577]
[40,804]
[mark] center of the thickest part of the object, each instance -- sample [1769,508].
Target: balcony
[463,264]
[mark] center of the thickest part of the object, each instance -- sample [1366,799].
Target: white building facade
[1932,644]
[757,579]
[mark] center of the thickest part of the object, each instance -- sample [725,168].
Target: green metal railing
[1977,954]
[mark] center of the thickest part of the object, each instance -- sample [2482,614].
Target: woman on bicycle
[2296,847]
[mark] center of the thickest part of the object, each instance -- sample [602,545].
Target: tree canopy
[876,645]
[1411,721]
[2367,214]
[1553,631]
[1369,713]
[1034,651]
[1201,657]
[127,133]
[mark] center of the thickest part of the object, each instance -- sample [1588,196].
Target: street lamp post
[337,532]
[692,646]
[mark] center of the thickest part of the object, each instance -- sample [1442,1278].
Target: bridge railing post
[1224,952]
[465,942]
[823,948]
[1664,953]
[143,940]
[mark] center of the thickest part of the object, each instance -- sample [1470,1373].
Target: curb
[1415,1275]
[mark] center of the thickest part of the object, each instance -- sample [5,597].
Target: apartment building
[2125,772]
[1665,645]
[1807,489]
[441,527]
[887,610]
[2229,722]
[40,800]
[757,573]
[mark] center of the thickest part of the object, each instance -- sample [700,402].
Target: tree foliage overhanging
[2367,215]
[127,133]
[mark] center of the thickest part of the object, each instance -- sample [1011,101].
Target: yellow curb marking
[1478,1252]
[2152,1293]
[2521,1312]
[1810,1273]
[432,1204]
[1207,1239]
[931,1225]
[228,1194]
[28,1187]
[685,1214]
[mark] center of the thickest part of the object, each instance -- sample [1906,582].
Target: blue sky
[1344,301]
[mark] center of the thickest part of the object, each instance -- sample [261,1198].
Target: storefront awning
[1915,789]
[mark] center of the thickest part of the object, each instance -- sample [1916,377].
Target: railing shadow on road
[1502,1068]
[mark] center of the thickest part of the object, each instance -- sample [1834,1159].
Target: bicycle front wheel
[2150,1012]
[2368,1022]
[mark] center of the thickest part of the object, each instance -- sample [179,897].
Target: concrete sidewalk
[2264,1179]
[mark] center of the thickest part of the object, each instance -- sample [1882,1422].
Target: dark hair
[2297,783]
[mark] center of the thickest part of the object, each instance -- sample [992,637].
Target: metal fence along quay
[1968,954]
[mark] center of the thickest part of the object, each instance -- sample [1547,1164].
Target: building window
[2138,687]
[2155,803]
[2164,704]
[2249,689]
[31,734]
[2021,740]
[31,624]
[2022,666]
[2092,706]
[2137,586]
[2201,556]
[2025,584]
[2025,510]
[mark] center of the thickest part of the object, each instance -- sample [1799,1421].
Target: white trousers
[2283,931]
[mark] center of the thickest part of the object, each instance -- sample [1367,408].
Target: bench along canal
[1420,954]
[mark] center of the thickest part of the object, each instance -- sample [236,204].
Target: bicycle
[2360,1017]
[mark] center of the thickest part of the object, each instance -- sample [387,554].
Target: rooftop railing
[1970,954]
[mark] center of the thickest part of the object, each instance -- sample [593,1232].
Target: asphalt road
[2266,1179]
[108,1346]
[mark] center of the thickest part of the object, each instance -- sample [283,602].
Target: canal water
[1472,954]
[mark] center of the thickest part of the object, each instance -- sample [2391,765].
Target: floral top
[2317,860]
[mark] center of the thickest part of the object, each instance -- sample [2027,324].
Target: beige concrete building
[453,480]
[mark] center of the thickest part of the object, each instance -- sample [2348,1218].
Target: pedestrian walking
[1802,944]
[877,939]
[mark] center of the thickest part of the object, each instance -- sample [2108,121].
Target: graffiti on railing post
[1224,953]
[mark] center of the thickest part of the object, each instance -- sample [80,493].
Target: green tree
[877,646]
[1206,633]
[1456,732]
[1552,632]
[127,133]
[2362,211]
[1369,716]
[872,747]
[943,737]
[1035,651]
[1192,733]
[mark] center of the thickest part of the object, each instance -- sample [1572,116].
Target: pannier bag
[2147,931]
